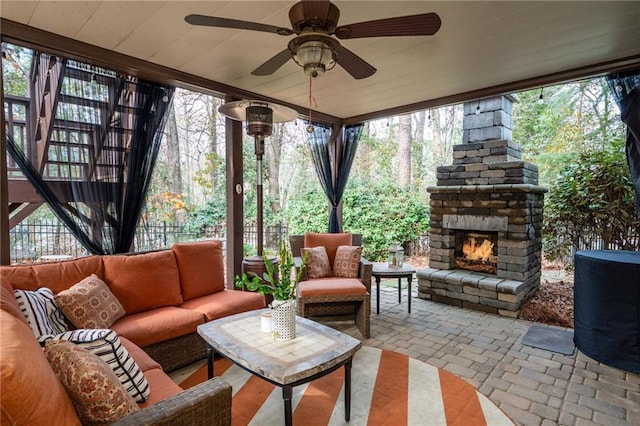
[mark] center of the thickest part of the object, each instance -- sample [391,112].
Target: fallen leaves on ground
[552,304]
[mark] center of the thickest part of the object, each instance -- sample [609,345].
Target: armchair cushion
[330,242]
[347,261]
[331,287]
[318,265]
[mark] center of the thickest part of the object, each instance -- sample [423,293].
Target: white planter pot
[283,319]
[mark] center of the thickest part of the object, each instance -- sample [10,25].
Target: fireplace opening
[477,251]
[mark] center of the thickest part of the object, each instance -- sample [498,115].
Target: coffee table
[316,351]
[383,270]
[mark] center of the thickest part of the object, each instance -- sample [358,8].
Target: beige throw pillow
[317,265]
[347,261]
[90,304]
[97,394]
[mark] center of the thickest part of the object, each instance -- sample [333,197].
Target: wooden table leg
[287,392]
[347,390]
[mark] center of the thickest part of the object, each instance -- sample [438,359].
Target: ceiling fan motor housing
[299,21]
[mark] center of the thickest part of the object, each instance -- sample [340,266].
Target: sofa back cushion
[144,281]
[8,302]
[201,268]
[57,276]
[331,242]
[24,371]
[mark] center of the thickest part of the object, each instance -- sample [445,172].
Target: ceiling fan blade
[413,25]
[273,64]
[354,64]
[316,11]
[213,21]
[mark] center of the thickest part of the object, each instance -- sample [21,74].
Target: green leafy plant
[278,280]
[591,200]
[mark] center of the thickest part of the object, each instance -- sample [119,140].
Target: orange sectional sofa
[166,294]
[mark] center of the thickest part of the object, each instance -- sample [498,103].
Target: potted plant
[279,282]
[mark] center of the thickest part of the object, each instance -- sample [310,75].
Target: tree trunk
[213,137]
[419,139]
[273,146]
[404,151]
[173,154]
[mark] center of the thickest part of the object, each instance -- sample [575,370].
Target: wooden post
[235,190]
[5,256]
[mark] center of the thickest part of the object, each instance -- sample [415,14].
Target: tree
[404,151]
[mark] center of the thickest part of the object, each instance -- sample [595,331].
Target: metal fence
[47,240]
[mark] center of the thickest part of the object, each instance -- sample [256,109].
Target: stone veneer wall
[488,188]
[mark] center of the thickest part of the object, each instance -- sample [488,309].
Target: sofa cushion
[93,386]
[57,276]
[225,303]
[329,241]
[331,286]
[201,268]
[158,325]
[347,262]
[90,304]
[24,369]
[8,300]
[162,387]
[106,345]
[316,262]
[145,281]
[144,361]
[41,312]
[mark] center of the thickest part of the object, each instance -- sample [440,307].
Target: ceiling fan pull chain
[312,101]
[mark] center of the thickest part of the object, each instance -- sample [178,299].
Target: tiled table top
[315,348]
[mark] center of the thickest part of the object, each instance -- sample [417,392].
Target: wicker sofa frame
[357,305]
[208,403]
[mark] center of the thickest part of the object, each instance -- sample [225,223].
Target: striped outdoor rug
[387,388]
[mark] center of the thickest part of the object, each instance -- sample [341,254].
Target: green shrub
[382,213]
[591,199]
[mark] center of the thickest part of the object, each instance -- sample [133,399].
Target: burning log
[486,266]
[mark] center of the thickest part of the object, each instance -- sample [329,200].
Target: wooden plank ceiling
[481,44]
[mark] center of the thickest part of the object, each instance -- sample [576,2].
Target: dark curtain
[626,89]
[343,155]
[102,134]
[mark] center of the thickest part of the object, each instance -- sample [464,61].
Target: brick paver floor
[533,386]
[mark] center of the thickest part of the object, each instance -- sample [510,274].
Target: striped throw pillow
[41,311]
[106,344]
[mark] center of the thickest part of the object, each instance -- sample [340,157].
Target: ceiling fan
[314,22]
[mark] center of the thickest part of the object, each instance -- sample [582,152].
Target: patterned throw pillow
[41,312]
[347,261]
[92,386]
[106,345]
[317,265]
[90,304]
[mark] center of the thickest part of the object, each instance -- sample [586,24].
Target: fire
[474,251]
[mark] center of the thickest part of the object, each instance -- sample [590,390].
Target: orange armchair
[345,289]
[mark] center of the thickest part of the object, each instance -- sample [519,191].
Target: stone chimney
[488,119]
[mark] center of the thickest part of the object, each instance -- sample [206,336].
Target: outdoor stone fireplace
[486,219]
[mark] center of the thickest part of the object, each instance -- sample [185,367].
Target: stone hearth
[487,190]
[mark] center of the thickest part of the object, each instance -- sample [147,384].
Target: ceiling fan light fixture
[315,53]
